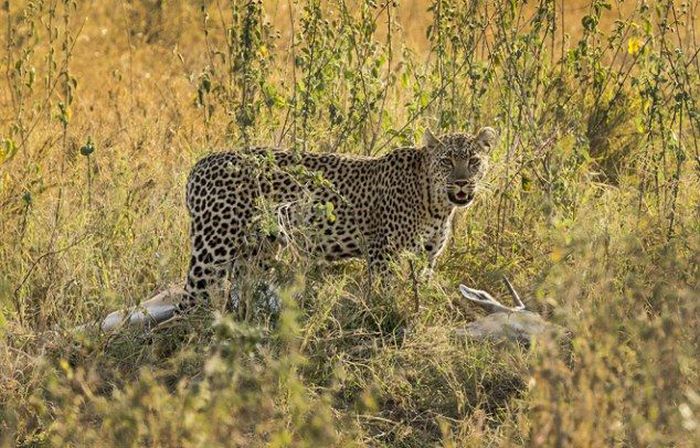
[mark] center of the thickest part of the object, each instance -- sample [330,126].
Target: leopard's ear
[487,137]
[429,138]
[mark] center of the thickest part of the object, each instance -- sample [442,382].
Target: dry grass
[591,208]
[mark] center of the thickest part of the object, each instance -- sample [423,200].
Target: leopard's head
[457,162]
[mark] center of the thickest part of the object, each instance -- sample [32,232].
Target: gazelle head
[486,300]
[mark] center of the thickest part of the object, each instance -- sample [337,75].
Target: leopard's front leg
[378,265]
[378,259]
[436,245]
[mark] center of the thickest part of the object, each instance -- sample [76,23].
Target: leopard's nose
[461,183]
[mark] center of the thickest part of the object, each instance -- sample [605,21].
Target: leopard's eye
[448,162]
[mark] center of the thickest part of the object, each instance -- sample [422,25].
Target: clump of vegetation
[591,208]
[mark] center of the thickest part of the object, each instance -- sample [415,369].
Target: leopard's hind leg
[214,249]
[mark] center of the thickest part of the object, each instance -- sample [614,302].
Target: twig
[35,264]
[414,280]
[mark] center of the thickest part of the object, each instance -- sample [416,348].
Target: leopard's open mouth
[461,197]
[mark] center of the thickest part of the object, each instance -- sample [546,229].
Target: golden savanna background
[590,207]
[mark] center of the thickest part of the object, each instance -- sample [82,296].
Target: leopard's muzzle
[461,192]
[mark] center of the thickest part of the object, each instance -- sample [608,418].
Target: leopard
[372,208]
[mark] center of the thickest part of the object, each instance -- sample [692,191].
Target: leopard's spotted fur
[403,200]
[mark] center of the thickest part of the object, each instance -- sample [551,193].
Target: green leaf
[8,148]
[330,212]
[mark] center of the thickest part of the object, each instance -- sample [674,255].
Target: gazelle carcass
[503,323]
[506,323]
